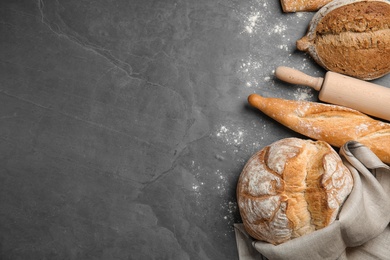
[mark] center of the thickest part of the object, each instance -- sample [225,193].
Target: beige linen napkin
[361,230]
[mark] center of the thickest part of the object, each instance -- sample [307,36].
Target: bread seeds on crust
[351,37]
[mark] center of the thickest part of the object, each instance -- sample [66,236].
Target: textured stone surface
[124,124]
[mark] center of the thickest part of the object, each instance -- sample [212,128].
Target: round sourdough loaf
[351,37]
[291,188]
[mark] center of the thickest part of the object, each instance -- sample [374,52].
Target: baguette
[330,123]
[290,6]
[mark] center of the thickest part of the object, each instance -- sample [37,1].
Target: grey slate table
[124,124]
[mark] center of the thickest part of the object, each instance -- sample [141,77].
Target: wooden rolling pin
[338,89]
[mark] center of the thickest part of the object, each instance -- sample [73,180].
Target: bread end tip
[254,99]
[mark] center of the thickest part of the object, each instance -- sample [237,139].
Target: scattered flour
[250,70]
[257,23]
[283,47]
[254,18]
[229,136]
[303,93]
[204,179]
[221,183]
[252,22]
[278,29]
[230,208]
[217,183]
[254,71]
[237,140]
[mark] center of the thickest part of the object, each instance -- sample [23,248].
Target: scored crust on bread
[290,6]
[291,188]
[333,124]
[351,37]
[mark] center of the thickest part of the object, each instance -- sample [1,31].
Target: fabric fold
[362,224]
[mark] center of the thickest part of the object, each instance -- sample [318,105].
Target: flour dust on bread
[351,37]
[333,124]
[291,188]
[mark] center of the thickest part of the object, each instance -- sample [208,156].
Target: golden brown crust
[291,188]
[330,123]
[351,38]
[378,141]
[302,5]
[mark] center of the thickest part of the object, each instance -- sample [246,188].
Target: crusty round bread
[292,188]
[351,37]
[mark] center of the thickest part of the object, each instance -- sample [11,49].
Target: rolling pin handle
[294,76]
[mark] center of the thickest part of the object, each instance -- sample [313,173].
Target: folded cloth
[361,230]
